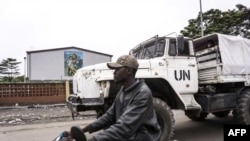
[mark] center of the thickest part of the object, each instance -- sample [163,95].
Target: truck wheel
[243,107]
[221,114]
[165,118]
[193,115]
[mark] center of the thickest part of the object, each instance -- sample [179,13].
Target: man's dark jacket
[131,117]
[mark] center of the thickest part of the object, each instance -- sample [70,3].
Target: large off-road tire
[192,114]
[221,114]
[242,112]
[165,118]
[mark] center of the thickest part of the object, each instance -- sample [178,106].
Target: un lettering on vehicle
[182,75]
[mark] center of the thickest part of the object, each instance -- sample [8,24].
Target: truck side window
[181,51]
[184,51]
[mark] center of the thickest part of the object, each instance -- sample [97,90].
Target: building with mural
[61,63]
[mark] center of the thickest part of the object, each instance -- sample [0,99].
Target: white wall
[49,65]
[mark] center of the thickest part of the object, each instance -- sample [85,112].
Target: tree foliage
[9,69]
[231,22]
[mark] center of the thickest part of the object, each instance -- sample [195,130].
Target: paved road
[186,130]
[209,130]
[37,132]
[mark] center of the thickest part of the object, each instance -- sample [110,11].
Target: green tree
[231,22]
[9,69]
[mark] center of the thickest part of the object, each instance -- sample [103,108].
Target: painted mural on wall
[73,60]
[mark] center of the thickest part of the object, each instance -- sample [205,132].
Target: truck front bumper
[76,105]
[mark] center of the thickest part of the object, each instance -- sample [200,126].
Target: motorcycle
[75,134]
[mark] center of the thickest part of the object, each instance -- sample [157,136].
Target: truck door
[182,67]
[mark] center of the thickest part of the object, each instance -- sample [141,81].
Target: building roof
[64,48]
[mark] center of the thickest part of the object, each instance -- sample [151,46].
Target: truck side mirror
[180,43]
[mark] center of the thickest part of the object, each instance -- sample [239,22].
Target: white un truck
[206,75]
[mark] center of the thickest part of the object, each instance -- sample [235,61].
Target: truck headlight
[101,92]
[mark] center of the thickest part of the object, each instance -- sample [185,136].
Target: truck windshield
[150,50]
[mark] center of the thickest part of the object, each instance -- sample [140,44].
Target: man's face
[121,74]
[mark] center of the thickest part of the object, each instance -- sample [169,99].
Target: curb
[33,106]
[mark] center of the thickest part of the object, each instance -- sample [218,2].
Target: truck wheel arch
[162,89]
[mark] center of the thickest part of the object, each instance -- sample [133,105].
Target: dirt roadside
[33,114]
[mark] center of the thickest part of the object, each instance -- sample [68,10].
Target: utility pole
[202,32]
[24,78]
